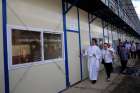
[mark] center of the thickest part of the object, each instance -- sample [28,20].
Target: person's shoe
[124,72]
[108,79]
[93,82]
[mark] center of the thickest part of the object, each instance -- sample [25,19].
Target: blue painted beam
[4,24]
[65,45]
[72,31]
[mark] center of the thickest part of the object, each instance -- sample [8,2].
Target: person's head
[109,45]
[133,41]
[119,40]
[120,43]
[123,47]
[101,46]
[94,41]
[126,41]
[105,45]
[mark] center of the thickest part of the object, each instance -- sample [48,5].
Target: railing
[114,6]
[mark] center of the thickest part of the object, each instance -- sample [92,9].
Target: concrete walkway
[102,86]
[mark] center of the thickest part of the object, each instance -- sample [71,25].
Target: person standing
[128,47]
[124,58]
[133,50]
[107,54]
[94,55]
[119,48]
[138,50]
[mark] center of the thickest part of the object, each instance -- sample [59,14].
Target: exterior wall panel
[85,41]
[1,53]
[39,78]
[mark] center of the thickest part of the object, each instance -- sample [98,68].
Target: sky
[136,4]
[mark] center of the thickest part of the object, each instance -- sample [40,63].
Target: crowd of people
[106,55]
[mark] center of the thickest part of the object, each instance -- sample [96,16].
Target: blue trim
[65,44]
[89,29]
[4,22]
[81,65]
[72,31]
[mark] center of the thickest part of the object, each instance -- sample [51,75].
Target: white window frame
[62,38]
[41,30]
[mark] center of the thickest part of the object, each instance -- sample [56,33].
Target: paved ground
[131,81]
[120,83]
[128,85]
[100,87]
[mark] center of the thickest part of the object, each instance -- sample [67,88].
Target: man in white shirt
[94,55]
[107,56]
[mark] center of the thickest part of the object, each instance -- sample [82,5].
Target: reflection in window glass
[26,46]
[52,46]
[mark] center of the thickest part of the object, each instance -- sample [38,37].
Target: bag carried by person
[103,61]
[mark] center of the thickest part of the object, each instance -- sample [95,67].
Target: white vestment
[94,55]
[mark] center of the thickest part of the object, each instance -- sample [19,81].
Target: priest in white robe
[94,56]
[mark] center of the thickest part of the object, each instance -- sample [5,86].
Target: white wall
[46,78]
[43,78]
[96,28]
[72,19]
[1,53]
[97,31]
[85,40]
[72,24]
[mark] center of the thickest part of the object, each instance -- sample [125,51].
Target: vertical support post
[65,44]
[118,33]
[89,28]
[108,32]
[112,34]
[103,31]
[4,23]
[80,43]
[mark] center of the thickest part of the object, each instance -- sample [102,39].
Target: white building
[45,43]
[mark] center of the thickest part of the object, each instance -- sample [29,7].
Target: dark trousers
[123,65]
[138,54]
[133,55]
[108,69]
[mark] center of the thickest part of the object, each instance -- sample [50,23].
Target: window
[33,45]
[26,46]
[52,46]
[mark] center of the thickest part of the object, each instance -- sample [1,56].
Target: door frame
[65,10]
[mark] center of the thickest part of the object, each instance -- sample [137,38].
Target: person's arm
[84,52]
[98,53]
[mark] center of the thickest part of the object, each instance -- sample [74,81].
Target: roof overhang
[99,9]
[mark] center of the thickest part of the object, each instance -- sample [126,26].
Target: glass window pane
[52,46]
[26,46]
